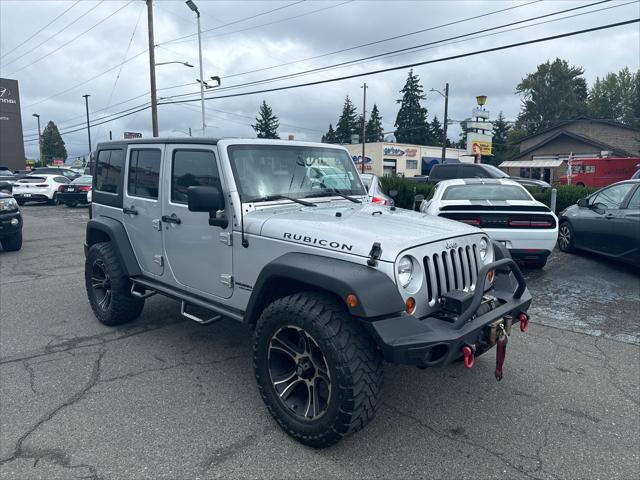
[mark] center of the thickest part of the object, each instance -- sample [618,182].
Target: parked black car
[6,181]
[75,193]
[605,222]
[447,171]
[10,223]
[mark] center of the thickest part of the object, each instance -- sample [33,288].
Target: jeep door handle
[171,219]
[130,211]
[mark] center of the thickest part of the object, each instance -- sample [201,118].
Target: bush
[567,195]
[407,190]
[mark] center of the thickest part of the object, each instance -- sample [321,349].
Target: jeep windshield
[268,171]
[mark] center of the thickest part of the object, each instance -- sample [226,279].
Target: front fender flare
[377,294]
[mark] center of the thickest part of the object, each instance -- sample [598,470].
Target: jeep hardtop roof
[210,141]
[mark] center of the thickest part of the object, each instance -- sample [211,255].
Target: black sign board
[11,140]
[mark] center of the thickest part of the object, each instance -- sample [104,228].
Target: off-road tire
[121,306]
[354,365]
[566,232]
[12,243]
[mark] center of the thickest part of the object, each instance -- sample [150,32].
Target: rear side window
[445,172]
[144,173]
[634,203]
[192,168]
[61,179]
[109,171]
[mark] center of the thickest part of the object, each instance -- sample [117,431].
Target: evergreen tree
[347,123]
[462,140]
[502,149]
[411,122]
[52,143]
[267,124]
[615,97]
[555,91]
[436,132]
[330,136]
[375,132]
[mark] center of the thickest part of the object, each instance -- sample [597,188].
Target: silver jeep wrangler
[280,235]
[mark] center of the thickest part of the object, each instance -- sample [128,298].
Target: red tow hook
[468,356]
[524,322]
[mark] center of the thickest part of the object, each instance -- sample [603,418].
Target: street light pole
[152,70]
[364,123]
[39,139]
[194,8]
[86,101]
[446,121]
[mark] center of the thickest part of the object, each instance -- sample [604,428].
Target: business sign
[411,152]
[58,161]
[469,125]
[368,162]
[479,143]
[129,135]
[393,152]
[11,139]
[478,113]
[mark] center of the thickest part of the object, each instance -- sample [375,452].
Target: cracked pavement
[167,398]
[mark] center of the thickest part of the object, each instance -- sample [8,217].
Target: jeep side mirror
[583,202]
[207,199]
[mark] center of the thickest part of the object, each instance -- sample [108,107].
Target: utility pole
[194,8]
[446,120]
[364,123]
[152,69]
[39,140]
[86,101]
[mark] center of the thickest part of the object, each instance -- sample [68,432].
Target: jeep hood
[353,228]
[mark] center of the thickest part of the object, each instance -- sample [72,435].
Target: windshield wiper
[268,198]
[330,192]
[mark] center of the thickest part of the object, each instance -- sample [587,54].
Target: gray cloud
[304,112]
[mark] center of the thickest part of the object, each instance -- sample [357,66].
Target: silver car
[375,190]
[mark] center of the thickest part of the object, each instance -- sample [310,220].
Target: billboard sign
[11,140]
[393,152]
[479,143]
[129,135]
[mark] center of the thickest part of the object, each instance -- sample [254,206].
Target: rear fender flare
[102,229]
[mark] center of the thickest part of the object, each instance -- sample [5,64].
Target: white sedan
[502,208]
[38,188]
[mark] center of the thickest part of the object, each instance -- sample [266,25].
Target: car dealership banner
[11,140]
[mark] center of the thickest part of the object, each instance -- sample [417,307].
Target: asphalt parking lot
[167,398]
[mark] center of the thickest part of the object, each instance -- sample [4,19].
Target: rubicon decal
[321,242]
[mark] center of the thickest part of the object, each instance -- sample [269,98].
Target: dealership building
[403,160]
[11,140]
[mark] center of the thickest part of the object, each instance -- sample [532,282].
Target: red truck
[600,172]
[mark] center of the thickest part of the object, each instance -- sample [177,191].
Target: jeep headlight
[484,249]
[405,271]
[7,204]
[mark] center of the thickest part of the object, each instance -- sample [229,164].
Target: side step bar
[190,316]
[150,288]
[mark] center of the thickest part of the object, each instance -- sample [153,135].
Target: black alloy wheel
[299,373]
[101,285]
[565,237]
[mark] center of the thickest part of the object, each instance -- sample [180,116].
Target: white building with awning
[547,169]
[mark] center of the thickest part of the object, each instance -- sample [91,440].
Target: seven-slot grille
[451,269]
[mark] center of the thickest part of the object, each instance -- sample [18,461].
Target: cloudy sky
[60,50]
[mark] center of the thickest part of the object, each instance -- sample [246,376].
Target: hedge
[407,190]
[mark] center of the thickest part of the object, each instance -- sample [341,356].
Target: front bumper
[6,225]
[437,340]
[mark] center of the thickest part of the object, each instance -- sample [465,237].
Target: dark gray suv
[449,171]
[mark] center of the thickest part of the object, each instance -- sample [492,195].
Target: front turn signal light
[410,305]
[352,301]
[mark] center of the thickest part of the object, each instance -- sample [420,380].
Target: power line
[389,69]
[48,54]
[55,34]
[385,54]
[388,39]
[417,64]
[236,21]
[35,34]
[412,49]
